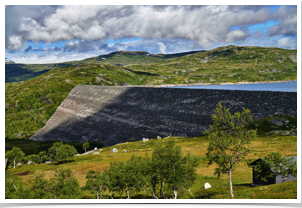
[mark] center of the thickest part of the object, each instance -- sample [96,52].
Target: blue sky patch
[263,27]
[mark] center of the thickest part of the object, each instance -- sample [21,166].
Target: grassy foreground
[197,146]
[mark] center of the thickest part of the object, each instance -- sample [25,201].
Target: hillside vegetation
[29,104]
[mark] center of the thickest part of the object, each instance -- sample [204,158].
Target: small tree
[39,187]
[64,152]
[16,155]
[34,158]
[64,186]
[95,183]
[274,164]
[132,139]
[134,175]
[169,170]
[42,156]
[52,151]
[85,146]
[229,139]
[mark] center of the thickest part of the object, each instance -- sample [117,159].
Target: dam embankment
[113,115]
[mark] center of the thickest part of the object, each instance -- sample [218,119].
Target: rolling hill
[29,104]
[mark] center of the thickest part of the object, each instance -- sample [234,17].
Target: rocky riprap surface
[113,115]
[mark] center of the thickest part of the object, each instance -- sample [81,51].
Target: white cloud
[207,25]
[15,43]
[235,35]
[50,58]
[288,43]
[162,47]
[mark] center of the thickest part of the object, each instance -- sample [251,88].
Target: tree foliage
[274,164]
[64,186]
[16,155]
[229,140]
[64,152]
[163,174]
[85,146]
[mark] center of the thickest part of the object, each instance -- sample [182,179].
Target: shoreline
[223,83]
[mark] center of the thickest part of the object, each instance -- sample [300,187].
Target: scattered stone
[145,139]
[277,122]
[29,162]
[124,151]
[114,150]
[158,137]
[95,148]
[96,153]
[207,185]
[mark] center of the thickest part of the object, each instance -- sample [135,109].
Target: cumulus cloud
[207,25]
[287,43]
[288,22]
[15,43]
[162,47]
[158,29]
[235,35]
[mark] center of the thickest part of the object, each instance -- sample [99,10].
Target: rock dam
[113,115]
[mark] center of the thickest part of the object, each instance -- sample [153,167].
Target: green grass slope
[226,64]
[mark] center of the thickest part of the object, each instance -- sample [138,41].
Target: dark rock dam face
[113,115]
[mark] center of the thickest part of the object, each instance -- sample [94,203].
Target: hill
[15,72]
[29,104]
[223,64]
[226,64]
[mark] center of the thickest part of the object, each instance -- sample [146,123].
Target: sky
[53,34]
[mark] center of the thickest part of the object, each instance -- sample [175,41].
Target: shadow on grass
[244,185]
[62,162]
[207,194]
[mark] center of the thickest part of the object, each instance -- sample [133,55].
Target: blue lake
[285,87]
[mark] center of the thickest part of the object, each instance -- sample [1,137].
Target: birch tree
[229,140]
[16,154]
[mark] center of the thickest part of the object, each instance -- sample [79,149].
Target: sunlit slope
[226,64]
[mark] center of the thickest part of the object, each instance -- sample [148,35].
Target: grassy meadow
[197,146]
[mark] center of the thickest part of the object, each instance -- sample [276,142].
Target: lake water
[285,87]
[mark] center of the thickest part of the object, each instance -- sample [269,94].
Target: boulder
[145,139]
[158,137]
[114,150]
[95,148]
[124,151]
[207,185]
[29,162]
[96,153]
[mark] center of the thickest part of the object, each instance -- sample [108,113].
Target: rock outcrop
[113,115]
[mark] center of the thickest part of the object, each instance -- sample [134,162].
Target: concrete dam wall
[113,115]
